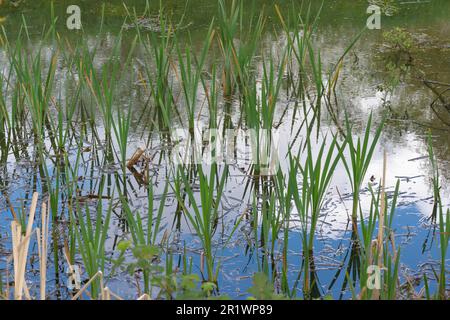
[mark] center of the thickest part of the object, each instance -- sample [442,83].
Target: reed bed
[93,213]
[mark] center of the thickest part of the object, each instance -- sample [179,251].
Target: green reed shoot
[36,85]
[121,129]
[268,233]
[145,237]
[444,236]
[5,124]
[444,221]
[70,181]
[284,194]
[203,214]
[91,236]
[190,70]
[160,48]
[360,153]
[104,85]
[237,60]
[271,84]
[368,249]
[301,49]
[211,91]
[315,176]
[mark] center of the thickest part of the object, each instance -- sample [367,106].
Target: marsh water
[366,85]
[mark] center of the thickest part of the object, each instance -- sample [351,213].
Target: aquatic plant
[190,68]
[144,238]
[160,47]
[360,154]
[443,222]
[315,177]
[91,234]
[37,88]
[204,215]
[80,164]
[239,34]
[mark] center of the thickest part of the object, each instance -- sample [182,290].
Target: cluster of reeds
[81,131]
[442,220]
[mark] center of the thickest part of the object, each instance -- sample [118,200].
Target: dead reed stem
[99,274]
[135,158]
[20,251]
[144,297]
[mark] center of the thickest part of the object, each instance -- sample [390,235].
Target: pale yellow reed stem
[99,274]
[23,252]
[144,297]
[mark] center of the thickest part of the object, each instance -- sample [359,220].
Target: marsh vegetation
[100,200]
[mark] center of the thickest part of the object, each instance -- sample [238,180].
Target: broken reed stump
[140,176]
[135,158]
[20,245]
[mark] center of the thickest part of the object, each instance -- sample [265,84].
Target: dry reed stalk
[99,274]
[20,251]
[394,248]
[394,251]
[16,231]
[106,294]
[71,269]
[361,294]
[114,295]
[18,245]
[144,297]
[11,208]
[202,262]
[135,158]
[140,177]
